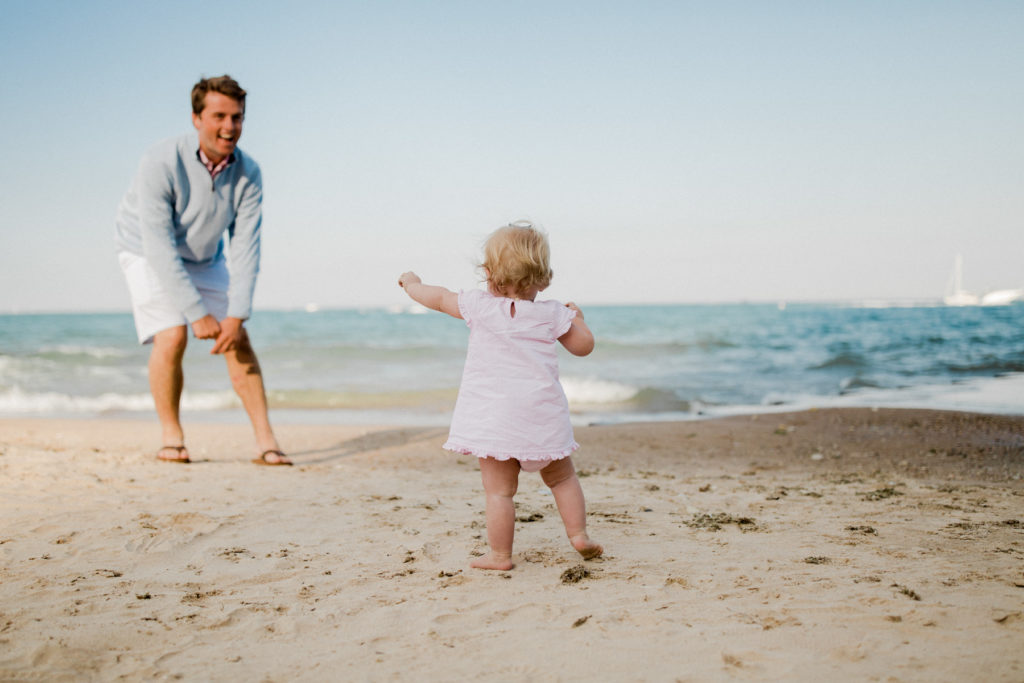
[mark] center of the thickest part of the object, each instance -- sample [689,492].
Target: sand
[862,545]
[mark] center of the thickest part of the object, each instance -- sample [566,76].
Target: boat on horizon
[1002,297]
[956,295]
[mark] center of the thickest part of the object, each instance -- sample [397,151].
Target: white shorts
[151,304]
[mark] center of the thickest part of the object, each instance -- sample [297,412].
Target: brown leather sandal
[262,460]
[177,449]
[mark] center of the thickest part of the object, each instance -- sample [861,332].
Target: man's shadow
[374,441]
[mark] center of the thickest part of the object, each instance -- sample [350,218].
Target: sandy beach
[867,545]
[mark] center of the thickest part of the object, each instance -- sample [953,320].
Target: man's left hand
[230,335]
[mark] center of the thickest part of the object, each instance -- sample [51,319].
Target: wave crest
[16,401]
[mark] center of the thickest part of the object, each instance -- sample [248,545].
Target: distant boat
[1002,297]
[956,295]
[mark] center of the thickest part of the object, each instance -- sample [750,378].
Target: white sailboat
[1002,297]
[956,295]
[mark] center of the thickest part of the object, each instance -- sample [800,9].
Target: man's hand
[206,327]
[230,335]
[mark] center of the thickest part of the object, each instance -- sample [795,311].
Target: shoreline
[863,544]
[999,395]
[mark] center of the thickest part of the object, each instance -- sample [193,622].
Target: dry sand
[825,545]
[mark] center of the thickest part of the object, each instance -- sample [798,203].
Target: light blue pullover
[174,215]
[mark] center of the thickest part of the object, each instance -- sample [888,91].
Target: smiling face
[219,125]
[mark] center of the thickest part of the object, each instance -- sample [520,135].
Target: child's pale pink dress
[511,404]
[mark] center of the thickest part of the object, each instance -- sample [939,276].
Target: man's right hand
[206,327]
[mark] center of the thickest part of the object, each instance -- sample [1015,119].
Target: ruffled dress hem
[505,455]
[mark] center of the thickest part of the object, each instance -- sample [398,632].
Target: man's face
[219,125]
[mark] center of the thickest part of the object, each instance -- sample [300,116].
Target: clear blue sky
[674,151]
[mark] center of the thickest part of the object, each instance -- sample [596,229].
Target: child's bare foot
[586,547]
[493,560]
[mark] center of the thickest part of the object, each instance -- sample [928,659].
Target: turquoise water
[651,362]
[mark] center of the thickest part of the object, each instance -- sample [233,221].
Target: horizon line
[311,307]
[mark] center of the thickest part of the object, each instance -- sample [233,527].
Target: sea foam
[596,391]
[15,401]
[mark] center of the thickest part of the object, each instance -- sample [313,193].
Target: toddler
[511,411]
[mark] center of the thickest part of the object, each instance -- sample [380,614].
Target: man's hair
[225,85]
[517,258]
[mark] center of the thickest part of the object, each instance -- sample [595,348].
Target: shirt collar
[214,169]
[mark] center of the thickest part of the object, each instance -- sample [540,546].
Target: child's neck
[527,295]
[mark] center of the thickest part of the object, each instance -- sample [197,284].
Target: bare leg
[501,480]
[560,476]
[166,382]
[247,379]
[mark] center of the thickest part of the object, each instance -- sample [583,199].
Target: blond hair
[517,259]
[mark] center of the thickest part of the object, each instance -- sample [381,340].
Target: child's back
[511,404]
[511,411]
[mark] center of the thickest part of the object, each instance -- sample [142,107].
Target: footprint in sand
[167,532]
[744,664]
[534,613]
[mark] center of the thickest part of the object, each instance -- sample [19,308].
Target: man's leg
[166,381]
[247,379]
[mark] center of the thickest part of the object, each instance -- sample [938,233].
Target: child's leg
[501,479]
[560,476]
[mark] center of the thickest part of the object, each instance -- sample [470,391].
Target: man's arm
[244,247]
[155,188]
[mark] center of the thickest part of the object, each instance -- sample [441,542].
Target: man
[170,239]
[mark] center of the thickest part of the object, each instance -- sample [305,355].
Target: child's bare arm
[431,296]
[579,340]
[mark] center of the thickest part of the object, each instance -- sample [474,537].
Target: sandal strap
[264,454]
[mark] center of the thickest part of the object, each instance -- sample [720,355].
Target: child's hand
[409,278]
[579,340]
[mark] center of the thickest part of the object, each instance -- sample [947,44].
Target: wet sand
[845,544]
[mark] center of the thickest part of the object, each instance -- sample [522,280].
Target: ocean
[678,362]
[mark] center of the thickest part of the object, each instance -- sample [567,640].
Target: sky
[691,152]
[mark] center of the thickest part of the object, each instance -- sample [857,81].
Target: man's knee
[243,351]
[171,342]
